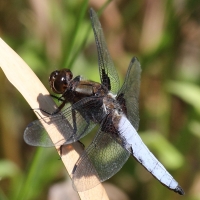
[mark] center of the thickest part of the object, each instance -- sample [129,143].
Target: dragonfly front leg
[80,125]
[74,120]
[53,113]
[58,98]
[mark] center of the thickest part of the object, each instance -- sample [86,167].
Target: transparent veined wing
[104,157]
[108,73]
[128,95]
[73,123]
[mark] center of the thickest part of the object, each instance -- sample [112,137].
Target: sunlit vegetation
[164,35]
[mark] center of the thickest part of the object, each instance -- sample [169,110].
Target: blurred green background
[51,34]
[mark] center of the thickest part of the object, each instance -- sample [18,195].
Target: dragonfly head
[59,80]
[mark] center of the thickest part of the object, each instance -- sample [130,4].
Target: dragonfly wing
[88,112]
[91,108]
[36,135]
[129,93]
[108,73]
[70,123]
[37,132]
[101,160]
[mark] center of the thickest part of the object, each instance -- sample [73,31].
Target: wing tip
[91,12]
[135,59]
[135,62]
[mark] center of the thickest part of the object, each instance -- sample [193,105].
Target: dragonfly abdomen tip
[179,190]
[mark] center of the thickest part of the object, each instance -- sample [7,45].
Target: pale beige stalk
[28,84]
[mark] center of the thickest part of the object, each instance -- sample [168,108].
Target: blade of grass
[29,180]
[103,7]
[68,47]
[82,45]
[2,195]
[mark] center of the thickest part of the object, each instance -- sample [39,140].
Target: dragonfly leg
[83,146]
[75,125]
[58,98]
[53,113]
[74,120]
[44,111]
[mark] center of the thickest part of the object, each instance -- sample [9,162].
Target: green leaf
[2,195]
[188,92]
[68,48]
[194,127]
[7,169]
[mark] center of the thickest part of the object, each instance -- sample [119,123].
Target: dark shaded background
[50,34]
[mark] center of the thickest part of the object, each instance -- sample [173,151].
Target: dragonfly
[114,109]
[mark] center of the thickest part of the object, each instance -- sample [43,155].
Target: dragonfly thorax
[112,105]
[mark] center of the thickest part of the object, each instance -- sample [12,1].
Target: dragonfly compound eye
[59,80]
